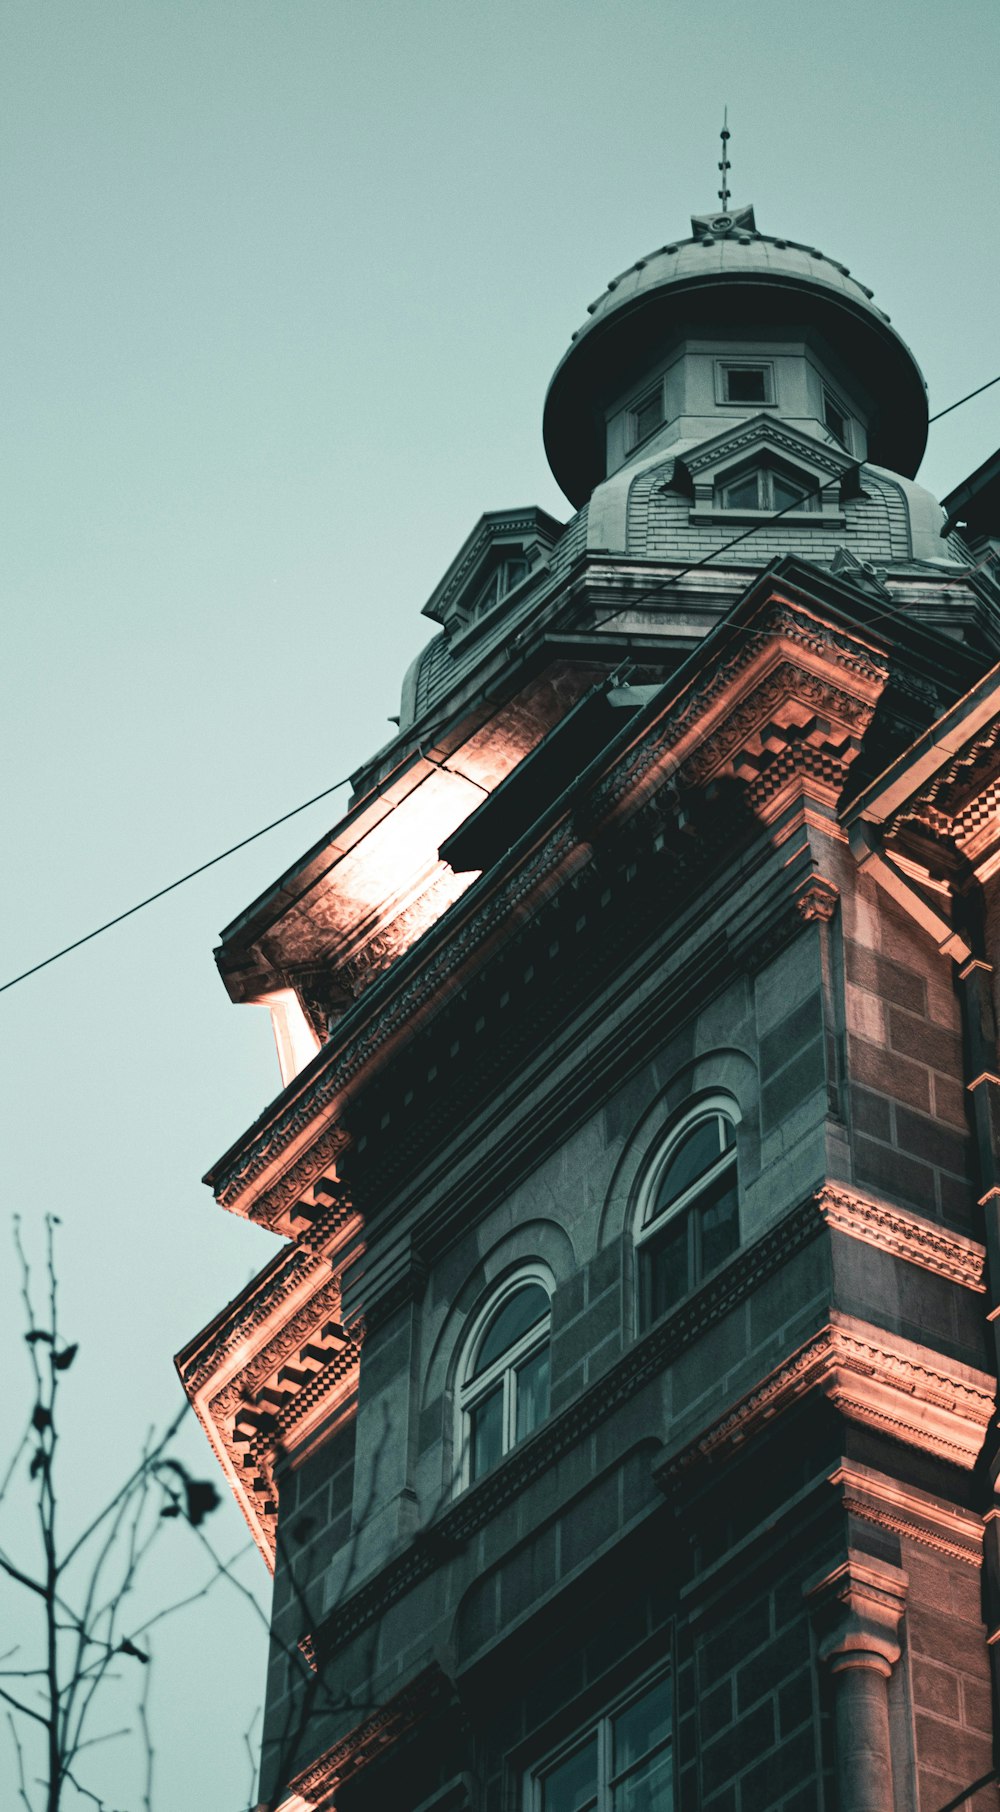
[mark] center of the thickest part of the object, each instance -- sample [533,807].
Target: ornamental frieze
[295,1270]
[258,1370]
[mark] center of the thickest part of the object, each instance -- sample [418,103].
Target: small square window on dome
[746,384]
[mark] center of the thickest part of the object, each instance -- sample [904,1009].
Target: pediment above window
[505,549]
[763,466]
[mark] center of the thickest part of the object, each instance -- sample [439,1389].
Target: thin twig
[22,1788]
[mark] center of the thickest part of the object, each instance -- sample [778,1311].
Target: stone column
[858,1605]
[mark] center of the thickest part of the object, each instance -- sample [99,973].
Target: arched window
[504,1388]
[689,1220]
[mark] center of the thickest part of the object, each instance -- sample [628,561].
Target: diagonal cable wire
[643,597]
[171,885]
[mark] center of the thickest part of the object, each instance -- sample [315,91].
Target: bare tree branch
[80,1588]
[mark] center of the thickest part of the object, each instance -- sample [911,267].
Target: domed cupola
[726,322]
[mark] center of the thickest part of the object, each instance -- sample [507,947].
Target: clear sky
[283,283]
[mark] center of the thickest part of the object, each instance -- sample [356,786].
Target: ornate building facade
[618,1413]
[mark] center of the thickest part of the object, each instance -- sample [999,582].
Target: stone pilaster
[858,1605]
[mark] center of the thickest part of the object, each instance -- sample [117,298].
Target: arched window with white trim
[689,1215]
[504,1382]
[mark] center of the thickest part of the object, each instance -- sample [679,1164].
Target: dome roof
[729,275]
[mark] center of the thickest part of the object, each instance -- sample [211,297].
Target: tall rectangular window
[836,420]
[647,415]
[624,1763]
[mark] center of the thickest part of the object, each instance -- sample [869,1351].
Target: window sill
[795,518]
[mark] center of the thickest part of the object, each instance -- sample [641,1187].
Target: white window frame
[722,369]
[762,471]
[471,1390]
[648,1224]
[831,399]
[600,1726]
[499,583]
[657,390]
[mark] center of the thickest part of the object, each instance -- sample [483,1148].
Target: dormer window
[646,415]
[763,488]
[749,383]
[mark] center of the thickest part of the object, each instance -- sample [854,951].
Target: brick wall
[876,527]
[949,1680]
[910,1130]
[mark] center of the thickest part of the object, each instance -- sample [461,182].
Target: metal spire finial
[725,191]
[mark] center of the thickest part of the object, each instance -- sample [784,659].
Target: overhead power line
[643,597]
[172,885]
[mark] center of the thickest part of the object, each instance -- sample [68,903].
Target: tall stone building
[618,1412]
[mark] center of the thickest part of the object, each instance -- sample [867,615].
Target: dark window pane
[718,1215]
[697,1152]
[642,1726]
[572,1785]
[649,1789]
[648,415]
[744,494]
[745,386]
[667,1268]
[486,1432]
[512,572]
[785,491]
[531,1381]
[490,595]
[836,421]
[519,1313]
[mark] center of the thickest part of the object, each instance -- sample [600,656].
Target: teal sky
[283,286]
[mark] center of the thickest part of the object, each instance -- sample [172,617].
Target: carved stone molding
[852,668]
[818,899]
[272,1205]
[904,1235]
[790,713]
[256,1308]
[766,432]
[917,1396]
[861,1600]
[280,1361]
[906,1511]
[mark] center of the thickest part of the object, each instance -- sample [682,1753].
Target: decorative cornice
[273,1207]
[371,957]
[254,1309]
[904,1510]
[904,1390]
[762,741]
[904,1235]
[280,1361]
[779,629]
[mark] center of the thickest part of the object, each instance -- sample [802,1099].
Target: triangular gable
[498,536]
[815,461]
